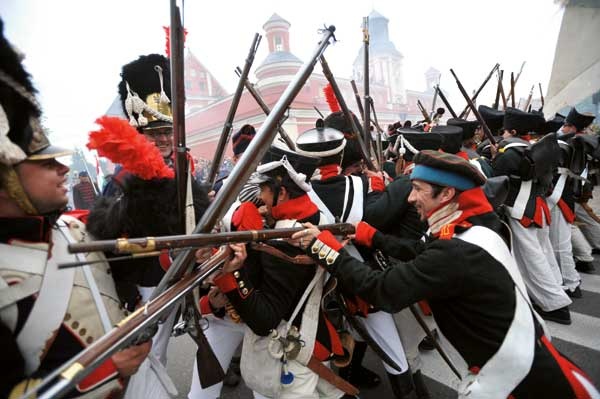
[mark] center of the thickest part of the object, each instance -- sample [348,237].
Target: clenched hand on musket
[128,360]
[304,237]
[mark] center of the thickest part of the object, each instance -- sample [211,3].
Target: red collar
[463,155]
[297,209]
[328,171]
[470,203]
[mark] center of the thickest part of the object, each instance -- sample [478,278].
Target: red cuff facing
[226,282]
[102,373]
[205,307]
[377,183]
[328,239]
[364,234]
[247,217]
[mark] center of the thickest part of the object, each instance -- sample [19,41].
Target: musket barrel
[356,130]
[152,244]
[226,132]
[476,94]
[484,126]
[254,93]
[445,101]
[361,111]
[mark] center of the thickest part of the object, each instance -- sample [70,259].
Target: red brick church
[208,104]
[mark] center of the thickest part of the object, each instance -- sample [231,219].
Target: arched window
[278,43]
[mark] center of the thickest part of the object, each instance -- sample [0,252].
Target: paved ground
[580,341]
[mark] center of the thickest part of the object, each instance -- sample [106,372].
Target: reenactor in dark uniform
[529,215]
[467,273]
[345,198]
[265,284]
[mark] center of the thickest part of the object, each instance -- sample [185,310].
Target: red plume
[121,143]
[168,39]
[334,106]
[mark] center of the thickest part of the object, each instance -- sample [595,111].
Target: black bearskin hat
[147,79]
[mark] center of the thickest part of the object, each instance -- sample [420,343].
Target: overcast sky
[75,48]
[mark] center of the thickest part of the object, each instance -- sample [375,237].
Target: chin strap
[15,190]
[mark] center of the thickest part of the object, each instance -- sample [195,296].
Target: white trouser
[589,227]
[306,385]
[224,337]
[411,334]
[534,255]
[560,237]
[582,250]
[382,329]
[160,341]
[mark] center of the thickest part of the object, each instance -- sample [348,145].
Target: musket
[178,107]
[319,112]
[484,126]
[379,146]
[151,244]
[511,95]
[487,79]
[252,90]
[497,99]
[529,98]
[541,96]
[516,80]
[67,265]
[235,100]
[426,117]
[503,96]
[435,96]
[361,111]
[356,130]
[247,163]
[466,115]
[63,379]
[436,344]
[211,371]
[367,116]
[445,101]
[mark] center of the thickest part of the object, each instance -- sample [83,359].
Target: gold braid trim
[15,190]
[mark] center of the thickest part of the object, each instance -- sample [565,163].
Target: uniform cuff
[364,234]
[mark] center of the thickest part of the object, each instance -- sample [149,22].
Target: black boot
[402,385]
[420,387]
[355,373]
[232,377]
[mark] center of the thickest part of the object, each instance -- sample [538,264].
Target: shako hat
[468,127]
[493,118]
[321,142]
[522,122]
[445,169]
[552,125]
[579,120]
[145,92]
[414,141]
[453,138]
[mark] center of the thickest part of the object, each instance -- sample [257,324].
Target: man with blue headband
[466,272]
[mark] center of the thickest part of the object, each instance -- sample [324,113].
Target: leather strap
[298,259]
[328,375]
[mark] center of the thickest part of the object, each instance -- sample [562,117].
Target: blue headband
[441,177]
